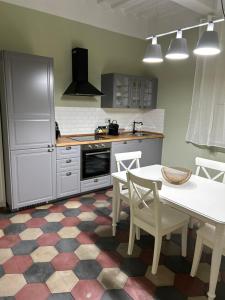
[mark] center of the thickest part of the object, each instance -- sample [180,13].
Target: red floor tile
[4,223]
[9,241]
[189,286]
[140,288]
[88,289]
[33,291]
[100,197]
[57,208]
[87,238]
[48,239]
[109,259]
[64,261]
[70,221]
[102,220]
[17,264]
[36,222]
[85,207]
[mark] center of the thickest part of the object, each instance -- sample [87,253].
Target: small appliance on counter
[57,131]
[113,128]
[100,131]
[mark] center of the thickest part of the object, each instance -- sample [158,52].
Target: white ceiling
[137,18]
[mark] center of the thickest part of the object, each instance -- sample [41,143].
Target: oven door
[95,163]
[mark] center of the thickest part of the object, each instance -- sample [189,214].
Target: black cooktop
[87,138]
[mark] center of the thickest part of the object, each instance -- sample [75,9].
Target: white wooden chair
[203,166]
[125,161]
[154,217]
[206,233]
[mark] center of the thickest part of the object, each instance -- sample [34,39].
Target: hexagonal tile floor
[65,250]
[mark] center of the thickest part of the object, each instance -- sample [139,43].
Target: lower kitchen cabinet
[68,183]
[151,151]
[33,174]
[95,183]
[68,171]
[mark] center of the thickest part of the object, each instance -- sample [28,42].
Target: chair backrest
[134,157]
[205,164]
[144,193]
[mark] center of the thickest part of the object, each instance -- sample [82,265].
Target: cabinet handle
[68,148]
[49,146]
[68,161]
[124,142]
[68,173]
[95,180]
[50,150]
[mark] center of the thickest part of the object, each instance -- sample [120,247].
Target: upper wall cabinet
[126,91]
[29,103]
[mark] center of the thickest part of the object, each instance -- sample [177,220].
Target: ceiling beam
[202,7]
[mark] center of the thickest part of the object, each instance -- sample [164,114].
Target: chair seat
[207,233]
[170,217]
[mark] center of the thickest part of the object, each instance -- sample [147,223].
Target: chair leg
[118,211]
[131,238]
[197,256]
[168,236]
[184,240]
[157,250]
[138,233]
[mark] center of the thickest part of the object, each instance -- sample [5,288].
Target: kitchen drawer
[66,164]
[68,183]
[95,183]
[68,151]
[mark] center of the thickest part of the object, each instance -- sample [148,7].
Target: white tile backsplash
[85,119]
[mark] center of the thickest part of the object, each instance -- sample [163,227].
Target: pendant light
[178,48]
[153,53]
[208,44]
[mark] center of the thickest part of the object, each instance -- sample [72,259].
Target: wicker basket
[176,175]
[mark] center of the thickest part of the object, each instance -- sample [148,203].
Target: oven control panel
[96,146]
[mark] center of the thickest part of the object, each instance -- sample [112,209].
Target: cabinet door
[135,85]
[151,152]
[149,93]
[30,108]
[121,91]
[33,176]
[68,183]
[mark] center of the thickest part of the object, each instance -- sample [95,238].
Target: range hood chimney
[80,85]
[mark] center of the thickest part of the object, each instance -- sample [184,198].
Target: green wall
[31,31]
[34,32]
[176,79]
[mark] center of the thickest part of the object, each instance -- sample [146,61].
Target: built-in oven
[95,160]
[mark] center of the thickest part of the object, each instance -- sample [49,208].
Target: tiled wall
[85,119]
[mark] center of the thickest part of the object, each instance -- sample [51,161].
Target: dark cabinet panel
[126,91]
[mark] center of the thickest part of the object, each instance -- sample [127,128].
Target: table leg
[216,260]
[115,201]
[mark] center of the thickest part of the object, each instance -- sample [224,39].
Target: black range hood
[80,85]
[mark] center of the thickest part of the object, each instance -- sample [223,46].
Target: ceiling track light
[208,44]
[153,53]
[178,49]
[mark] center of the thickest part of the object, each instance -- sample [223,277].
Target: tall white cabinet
[27,108]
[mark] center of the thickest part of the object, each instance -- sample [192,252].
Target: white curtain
[207,118]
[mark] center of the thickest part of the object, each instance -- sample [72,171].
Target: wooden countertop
[67,141]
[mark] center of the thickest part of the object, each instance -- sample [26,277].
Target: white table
[199,197]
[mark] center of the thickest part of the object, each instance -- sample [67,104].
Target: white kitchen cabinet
[68,183]
[27,111]
[68,171]
[33,177]
[95,183]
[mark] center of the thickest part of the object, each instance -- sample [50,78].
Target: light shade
[153,53]
[178,48]
[208,44]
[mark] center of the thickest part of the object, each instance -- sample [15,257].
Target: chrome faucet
[134,123]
